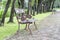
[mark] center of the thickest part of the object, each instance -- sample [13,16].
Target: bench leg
[25,27]
[18,27]
[18,31]
[29,28]
[35,25]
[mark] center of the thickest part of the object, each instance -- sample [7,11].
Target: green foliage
[4,3]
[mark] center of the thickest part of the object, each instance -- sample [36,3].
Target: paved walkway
[48,29]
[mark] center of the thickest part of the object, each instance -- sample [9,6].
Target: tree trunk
[28,9]
[39,6]
[22,3]
[50,5]
[29,6]
[5,11]
[34,9]
[53,4]
[12,12]
[19,3]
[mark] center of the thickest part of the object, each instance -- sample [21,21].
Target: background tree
[32,5]
[12,12]
[29,6]
[39,6]
[21,3]
[5,11]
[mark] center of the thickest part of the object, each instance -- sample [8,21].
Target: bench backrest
[20,14]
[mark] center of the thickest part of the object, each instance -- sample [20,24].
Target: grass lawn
[11,28]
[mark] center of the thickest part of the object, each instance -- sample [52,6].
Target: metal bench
[22,19]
